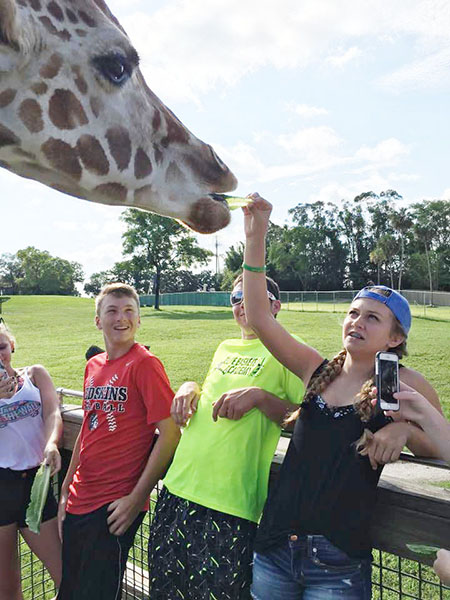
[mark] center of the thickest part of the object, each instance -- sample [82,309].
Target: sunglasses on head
[238,296]
[380,291]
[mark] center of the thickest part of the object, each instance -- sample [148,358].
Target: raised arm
[299,358]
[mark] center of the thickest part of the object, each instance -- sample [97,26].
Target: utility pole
[217,256]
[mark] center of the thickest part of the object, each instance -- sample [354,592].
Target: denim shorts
[310,568]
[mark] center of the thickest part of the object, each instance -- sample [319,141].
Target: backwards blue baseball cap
[396,303]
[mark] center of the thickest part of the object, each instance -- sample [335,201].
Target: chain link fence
[432,305]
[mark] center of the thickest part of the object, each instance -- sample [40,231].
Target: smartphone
[387,380]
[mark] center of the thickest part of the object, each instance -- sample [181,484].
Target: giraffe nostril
[218,160]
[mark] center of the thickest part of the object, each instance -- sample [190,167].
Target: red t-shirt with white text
[123,400]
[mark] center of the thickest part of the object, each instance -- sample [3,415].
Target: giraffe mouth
[219,198]
[209,214]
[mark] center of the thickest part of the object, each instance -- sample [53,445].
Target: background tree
[378,257]
[46,274]
[97,281]
[402,223]
[160,244]
[10,272]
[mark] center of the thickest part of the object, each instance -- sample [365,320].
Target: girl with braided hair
[313,541]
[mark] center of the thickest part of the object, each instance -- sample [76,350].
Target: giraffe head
[77,115]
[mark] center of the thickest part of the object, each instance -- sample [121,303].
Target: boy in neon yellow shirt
[201,540]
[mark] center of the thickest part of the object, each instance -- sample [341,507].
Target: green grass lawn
[434,313]
[56,332]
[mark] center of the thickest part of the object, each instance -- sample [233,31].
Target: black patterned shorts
[197,553]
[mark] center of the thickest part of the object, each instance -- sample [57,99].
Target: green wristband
[254,269]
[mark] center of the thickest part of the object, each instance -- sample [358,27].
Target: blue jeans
[309,567]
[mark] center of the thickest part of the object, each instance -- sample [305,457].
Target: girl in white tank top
[30,427]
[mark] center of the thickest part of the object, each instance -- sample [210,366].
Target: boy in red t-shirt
[106,491]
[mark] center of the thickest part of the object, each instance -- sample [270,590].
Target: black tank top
[324,487]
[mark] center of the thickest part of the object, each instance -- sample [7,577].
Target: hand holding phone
[3,371]
[387,380]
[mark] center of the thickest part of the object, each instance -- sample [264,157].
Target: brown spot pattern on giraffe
[63,35]
[80,81]
[55,10]
[52,67]
[7,137]
[90,22]
[156,121]
[35,5]
[62,157]
[39,88]
[30,113]
[120,146]
[174,173]
[142,164]
[158,154]
[141,194]
[66,111]
[6,97]
[96,105]
[92,155]
[176,133]
[71,16]
[81,32]
[115,192]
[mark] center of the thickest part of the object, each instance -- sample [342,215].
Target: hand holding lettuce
[38,497]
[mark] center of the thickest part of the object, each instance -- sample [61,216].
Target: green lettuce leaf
[423,549]
[38,497]
[232,201]
[236,202]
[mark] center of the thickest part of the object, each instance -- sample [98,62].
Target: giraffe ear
[9,35]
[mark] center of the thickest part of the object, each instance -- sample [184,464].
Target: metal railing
[394,577]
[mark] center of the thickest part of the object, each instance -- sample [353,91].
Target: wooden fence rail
[405,513]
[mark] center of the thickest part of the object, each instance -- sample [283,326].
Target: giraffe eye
[114,67]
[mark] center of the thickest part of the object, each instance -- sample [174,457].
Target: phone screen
[388,380]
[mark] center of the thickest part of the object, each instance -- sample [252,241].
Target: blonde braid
[363,403]
[320,382]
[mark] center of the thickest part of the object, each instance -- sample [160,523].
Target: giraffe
[77,115]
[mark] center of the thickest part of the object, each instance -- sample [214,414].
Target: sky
[304,100]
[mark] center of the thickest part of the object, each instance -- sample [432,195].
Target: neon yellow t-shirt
[225,465]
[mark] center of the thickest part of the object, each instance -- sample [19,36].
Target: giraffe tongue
[232,201]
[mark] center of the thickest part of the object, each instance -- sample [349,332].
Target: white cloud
[306,111]
[433,70]
[385,152]
[98,257]
[190,47]
[310,143]
[342,57]
[446,194]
